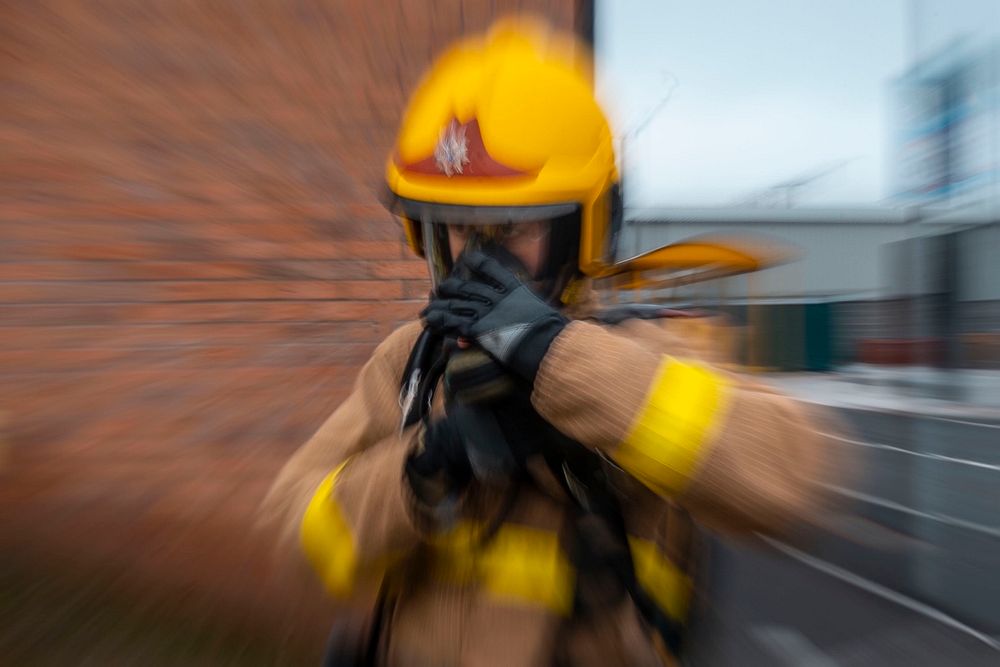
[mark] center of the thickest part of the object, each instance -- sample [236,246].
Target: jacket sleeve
[341,500]
[739,457]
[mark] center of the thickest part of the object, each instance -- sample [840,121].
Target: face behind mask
[541,253]
[498,252]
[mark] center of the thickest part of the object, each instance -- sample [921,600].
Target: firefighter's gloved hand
[496,310]
[494,410]
[440,467]
[473,377]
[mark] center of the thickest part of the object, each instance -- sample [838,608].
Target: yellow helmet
[505,128]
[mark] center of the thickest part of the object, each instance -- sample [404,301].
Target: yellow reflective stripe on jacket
[527,564]
[669,587]
[454,552]
[518,563]
[327,541]
[666,441]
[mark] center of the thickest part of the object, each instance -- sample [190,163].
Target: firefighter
[537,506]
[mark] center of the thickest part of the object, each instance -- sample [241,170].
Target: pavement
[772,610]
[961,393]
[910,578]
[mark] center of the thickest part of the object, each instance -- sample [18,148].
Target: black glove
[473,377]
[493,410]
[497,311]
[440,467]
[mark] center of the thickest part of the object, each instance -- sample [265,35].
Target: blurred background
[194,264]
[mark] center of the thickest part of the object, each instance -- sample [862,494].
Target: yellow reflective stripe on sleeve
[669,587]
[327,541]
[518,563]
[666,440]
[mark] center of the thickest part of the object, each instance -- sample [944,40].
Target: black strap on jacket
[345,647]
[581,473]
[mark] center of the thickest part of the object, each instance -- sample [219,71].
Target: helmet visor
[539,243]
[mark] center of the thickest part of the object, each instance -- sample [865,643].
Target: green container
[794,326]
[818,337]
[770,337]
[782,337]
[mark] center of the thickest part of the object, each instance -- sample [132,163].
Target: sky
[763,92]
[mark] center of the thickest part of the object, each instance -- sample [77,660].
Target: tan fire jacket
[689,439]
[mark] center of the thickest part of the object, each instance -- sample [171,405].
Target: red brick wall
[193,263]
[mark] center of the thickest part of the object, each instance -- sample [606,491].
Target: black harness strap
[582,477]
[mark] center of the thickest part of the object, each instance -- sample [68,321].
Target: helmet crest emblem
[460,152]
[452,151]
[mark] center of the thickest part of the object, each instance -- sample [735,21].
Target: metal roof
[751,215]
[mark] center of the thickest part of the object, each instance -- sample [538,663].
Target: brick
[179,335]
[315,269]
[196,291]
[363,250]
[190,313]
[82,271]
[400,269]
[193,268]
[86,250]
[319,269]
[416,289]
